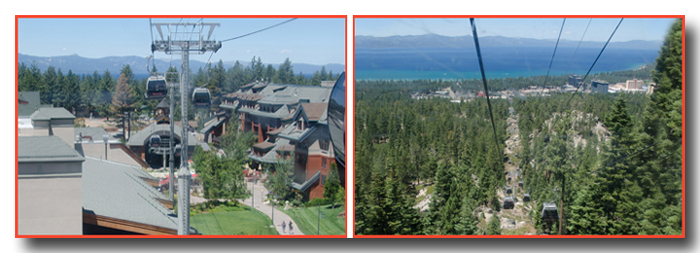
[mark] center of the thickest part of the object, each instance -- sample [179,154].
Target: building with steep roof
[266,107]
[305,140]
[61,192]
[290,122]
[122,199]
[140,144]
[47,121]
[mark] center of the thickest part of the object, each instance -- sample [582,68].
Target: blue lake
[499,62]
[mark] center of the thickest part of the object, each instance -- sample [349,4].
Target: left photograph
[211,126]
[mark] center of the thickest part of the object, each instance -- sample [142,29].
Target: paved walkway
[278,217]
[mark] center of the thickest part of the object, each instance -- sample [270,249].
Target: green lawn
[306,219]
[247,222]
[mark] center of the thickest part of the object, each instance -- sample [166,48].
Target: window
[324,162]
[323,144]
[323,179]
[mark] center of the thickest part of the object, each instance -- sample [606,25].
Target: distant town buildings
[575,80]
[634,84]
[599,86]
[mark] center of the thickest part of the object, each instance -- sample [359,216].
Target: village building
[49,187]
[599,86]
[73,181]
[156,155]
[290,121]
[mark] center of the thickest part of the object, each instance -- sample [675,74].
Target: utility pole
[171,181]
[179,39]
[128,123]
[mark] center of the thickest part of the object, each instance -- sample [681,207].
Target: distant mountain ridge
[440,41]
[83,65]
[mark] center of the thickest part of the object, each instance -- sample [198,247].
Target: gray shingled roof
[294,93]
[212,123]
[297,135]
[280,113]
[116,190]
[270,156]
[307,183]
[314,111]
[163,104]
[95,132]
[46,113]
[46,149]
[140,138]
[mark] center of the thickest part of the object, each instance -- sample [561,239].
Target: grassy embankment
[306,219]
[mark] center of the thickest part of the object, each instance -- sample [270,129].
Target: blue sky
[548,28]
[311,40]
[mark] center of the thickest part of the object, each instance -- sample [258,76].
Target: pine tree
[494,226]
[71,92]
[122,97]
[332,186]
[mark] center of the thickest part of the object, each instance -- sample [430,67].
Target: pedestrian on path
[291,227]
[284,227]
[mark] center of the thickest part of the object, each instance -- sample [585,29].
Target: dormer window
[301,125]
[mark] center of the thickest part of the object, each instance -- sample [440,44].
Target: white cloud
[285,51]
[64,49]
[247,51]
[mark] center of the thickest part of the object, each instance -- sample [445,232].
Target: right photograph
[522,126]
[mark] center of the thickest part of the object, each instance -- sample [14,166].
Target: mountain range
[440,41]
[83,65]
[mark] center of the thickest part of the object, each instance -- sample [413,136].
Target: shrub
[317,201]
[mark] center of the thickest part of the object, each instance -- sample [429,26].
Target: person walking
[284,227]
[291,227]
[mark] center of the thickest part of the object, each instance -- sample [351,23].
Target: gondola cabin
[508,203]
[509,190]
[550,213]
[155,140]
[526,197]
[520,183]
[156,87]
[336,119]
[201,98]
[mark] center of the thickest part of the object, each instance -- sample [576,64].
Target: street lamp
[105,138]
[272,204]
